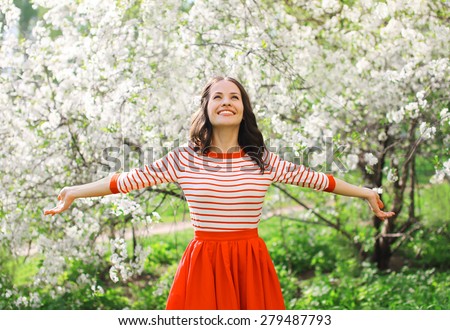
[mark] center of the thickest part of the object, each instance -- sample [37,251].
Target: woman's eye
[235,97]
[217,96]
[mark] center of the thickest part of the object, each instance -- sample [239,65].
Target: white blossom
[362,65]
[396,116]
[378,190]
[409,34]
[113,274]
[382,136]
[370,159]
[352,161]
[381,10]
[392,175]
[8,293]
[21,302]
[426,132]
[97,289]
[412,109]
[34,300]
[438,177]
[447,167]
[330,5]
[445,115]
[367,3]
[392,29]
[353,14]
[420,95]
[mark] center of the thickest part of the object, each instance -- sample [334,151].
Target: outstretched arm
[68,194]
[161,171]
[346,189]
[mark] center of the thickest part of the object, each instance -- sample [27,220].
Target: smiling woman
[225,112]
[224,173]
[231,132]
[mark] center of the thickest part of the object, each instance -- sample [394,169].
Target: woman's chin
[226,122]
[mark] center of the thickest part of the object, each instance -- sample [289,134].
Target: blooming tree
[94,78]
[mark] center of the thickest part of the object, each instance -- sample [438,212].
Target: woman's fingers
[378,200]
[376,205]
[380,203]
[63,205]
[53,211]
[384,215]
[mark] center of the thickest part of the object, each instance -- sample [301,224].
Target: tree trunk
[383,253]
[382,249]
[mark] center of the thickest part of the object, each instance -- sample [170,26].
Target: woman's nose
[225,101]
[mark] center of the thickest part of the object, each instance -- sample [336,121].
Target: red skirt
[226,270]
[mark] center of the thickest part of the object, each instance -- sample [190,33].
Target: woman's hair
[250,138]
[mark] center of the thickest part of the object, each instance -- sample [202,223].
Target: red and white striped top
[225,192]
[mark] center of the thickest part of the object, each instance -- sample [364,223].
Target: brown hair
[250,138]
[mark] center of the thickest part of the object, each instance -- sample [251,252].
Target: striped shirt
[224,191]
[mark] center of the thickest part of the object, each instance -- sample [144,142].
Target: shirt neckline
[226,155]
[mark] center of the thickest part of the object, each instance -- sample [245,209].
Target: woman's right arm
[163,170]
[68,194]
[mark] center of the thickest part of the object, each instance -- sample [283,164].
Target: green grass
[20,270]
[432,204]
[407,289]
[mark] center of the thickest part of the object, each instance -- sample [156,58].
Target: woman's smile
[226,113]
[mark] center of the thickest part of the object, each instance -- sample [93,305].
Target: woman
[224,173]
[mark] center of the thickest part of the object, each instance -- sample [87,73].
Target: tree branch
[405,236]
[323,219]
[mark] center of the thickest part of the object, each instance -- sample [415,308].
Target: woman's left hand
[376,205]
[346,189]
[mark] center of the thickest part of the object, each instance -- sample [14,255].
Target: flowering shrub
[90,75]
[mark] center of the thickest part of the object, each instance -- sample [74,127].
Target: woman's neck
[225,139]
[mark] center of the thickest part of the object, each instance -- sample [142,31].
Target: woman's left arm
[346,189]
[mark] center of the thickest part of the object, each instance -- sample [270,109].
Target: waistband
[202,235]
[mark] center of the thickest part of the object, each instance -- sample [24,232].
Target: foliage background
[90,87]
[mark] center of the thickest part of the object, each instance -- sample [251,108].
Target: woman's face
[225,107]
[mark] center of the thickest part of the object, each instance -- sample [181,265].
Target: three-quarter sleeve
[287,172]
[163,170]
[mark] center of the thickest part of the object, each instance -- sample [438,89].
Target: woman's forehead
[224,86]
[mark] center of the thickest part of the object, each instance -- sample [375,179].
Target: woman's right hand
[65,198]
